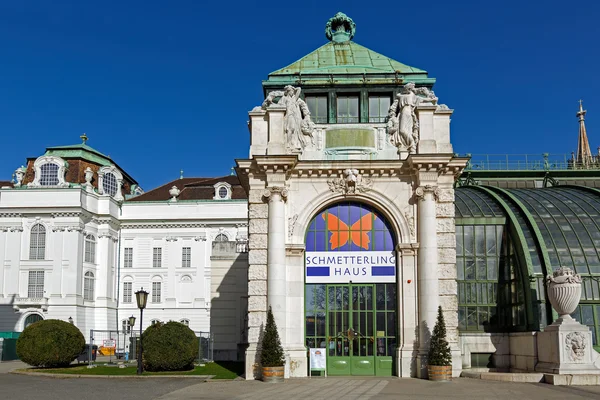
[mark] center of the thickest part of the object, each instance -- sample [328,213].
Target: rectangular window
[347,109]
[128,258]
[127,292]
[378,107]
[157,257]
[90,249]
[156,292]
[35,288]
[186,257]
[317,105]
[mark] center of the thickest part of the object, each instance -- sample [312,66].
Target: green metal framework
[544,229]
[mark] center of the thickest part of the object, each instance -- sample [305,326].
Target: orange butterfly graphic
[340,232]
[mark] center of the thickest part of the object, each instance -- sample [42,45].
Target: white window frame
[218,187]
[156,292]
[128,257]
[127,292]
[157,257]
[186,257]
[118,175]
[62,169]
[221,235]
[90,249]
[35,284]
[89,283]
[37,251]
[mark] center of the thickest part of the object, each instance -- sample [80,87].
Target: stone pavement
[349,388]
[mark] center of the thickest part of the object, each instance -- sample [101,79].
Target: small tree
[439,350]
[271,354]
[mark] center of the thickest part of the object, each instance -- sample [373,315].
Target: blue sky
[162,86]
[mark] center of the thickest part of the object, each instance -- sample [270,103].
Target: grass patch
[220,370]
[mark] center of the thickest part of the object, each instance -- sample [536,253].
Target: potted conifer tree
[271,355]
[439,365]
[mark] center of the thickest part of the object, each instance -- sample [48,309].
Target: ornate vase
[564,291]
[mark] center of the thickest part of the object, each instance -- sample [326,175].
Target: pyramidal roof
[343,61]
[346,57]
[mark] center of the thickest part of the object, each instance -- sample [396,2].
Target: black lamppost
[142,297]
[130,330]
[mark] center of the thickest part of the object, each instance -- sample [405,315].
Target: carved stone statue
[403,124]
[298,126]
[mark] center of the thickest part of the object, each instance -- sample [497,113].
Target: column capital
[423,190]
[281,191]
[407,249]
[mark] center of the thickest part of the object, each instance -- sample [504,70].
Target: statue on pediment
[298,127]
[403,123]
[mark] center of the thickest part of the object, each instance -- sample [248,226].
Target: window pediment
[222,191]
[49,172]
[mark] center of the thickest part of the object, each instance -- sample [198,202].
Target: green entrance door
[356,323]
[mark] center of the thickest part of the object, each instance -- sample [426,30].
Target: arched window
[186,322]
[49,174]
[109,184]
[32,318]
[88,286]
[90,249]
[221,237]
[37,242]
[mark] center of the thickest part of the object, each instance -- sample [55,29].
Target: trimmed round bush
[50,343]
[169,347]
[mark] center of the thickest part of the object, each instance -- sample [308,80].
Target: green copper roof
[82,151]
[347,57]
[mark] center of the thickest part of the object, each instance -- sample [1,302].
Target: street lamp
[142,297]
[71,320]
[131,322]
[130,330]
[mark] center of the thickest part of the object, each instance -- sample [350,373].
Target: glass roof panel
[473,203]
[567,218]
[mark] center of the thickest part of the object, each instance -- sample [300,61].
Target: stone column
[406,261]
[276,276]
[427,271]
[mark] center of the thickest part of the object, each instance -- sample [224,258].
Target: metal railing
[528,162]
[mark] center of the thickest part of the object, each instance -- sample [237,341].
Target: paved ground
[31,387]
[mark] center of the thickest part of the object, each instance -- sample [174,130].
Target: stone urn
[564,292]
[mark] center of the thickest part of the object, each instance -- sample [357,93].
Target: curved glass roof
[474,203]
[567,218]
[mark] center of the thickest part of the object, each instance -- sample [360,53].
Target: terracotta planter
[440,372]
[272,374]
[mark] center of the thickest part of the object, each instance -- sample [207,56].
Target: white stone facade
[414,192]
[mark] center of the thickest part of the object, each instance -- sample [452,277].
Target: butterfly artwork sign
[349,242]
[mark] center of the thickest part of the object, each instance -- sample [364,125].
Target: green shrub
[169,347]
[50,343]
[271,354]
[439,350]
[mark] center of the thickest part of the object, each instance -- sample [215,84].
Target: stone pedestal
[565,347]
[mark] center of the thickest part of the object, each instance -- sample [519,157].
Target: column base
[253,370]
[406,362]
[296,363]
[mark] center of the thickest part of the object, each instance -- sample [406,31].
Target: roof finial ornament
[84,138]
[340,28]
[180,174]
[232,173]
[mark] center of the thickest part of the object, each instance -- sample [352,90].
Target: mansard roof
[194,189]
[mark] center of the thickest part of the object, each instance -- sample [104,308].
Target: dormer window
[110,181]
[109,184]
[49,172]
[222,191]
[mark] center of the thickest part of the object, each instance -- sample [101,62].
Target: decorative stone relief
[421,191]
[403,123]
[291,225]
[171,239]
[201,237]
[410,219]
[350,183]
[575,344]
[89,174]
[297,125]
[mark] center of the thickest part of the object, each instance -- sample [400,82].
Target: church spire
[584,154]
